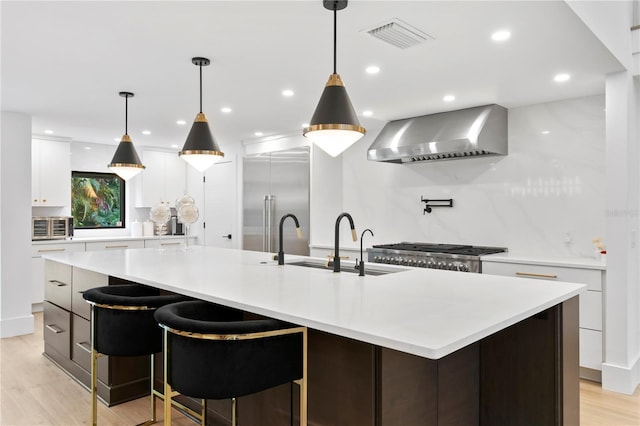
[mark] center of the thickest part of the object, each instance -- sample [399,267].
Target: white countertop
[429,313]
[568,262]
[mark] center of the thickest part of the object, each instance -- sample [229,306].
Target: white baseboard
[10,327]
[621,379]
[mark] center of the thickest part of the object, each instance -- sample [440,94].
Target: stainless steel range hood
[465,133]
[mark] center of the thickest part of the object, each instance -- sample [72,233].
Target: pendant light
[334,126]
[125,162]
[200,150]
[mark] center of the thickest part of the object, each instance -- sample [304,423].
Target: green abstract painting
[97,200]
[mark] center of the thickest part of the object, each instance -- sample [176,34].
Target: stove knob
[376,259]
[440,265]
[463,268]
[420,264]
[384,259]
[431,264]
[411,262]
[451,267]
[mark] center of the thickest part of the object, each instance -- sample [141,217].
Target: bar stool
[122,324]
[212,357]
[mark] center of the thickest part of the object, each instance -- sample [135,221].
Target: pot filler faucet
[298,231]
[336,251]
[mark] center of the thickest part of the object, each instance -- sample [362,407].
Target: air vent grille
[451,155]
[398,34]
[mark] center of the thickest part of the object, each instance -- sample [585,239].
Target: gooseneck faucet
[298,230]
[360,266]
[336,251]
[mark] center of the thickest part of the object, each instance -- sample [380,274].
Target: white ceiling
[65,62]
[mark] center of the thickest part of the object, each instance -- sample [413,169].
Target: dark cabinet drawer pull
[57,283]
[85,346]
[54,328]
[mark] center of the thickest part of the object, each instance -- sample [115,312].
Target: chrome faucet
[336,251]
[298,230]
[360,266]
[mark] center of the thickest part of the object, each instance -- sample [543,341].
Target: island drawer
[591,277]
[591,349]
[57,327]
[57,287]
[115,245]
[81,348]
[84,280]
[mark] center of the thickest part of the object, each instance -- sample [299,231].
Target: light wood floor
[33,391]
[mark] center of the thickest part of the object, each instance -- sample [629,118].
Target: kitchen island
[410,346]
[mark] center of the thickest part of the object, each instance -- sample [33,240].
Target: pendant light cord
[126,115]
[335,38]
[200,88]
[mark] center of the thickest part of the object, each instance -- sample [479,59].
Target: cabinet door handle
[170,244]
[117,246]
[50,250]
[536,275]
[85,346]
[57,283]
[54,328]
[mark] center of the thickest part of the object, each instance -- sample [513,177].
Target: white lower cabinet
[37,268]
[115,245]
[169,242]
[591,306]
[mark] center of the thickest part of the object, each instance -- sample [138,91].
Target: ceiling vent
[398,33]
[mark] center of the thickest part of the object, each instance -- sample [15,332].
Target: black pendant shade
[334,126]
[125,162]
[335,107]
[200,149]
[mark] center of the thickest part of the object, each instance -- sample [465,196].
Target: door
[220,204]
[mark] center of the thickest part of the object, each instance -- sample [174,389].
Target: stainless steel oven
[453,257]
[51,228]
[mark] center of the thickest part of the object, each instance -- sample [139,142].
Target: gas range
[453,257]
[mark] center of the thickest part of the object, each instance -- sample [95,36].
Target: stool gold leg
[151,393]
[234,412]
[167,388]
[94,373]
[203,419]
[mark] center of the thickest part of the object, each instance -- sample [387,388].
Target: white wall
[15,223]
[549,186]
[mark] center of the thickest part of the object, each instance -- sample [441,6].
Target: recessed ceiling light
[561,78]
[449,98]
[367,113]
[175,146]
[146,132]
[116,139]
[287,92]
[305,124]
[258,133]
[87,147]
[49,132]
[372,69]
[181,122]
[501,35]
[225,110]
[545,132]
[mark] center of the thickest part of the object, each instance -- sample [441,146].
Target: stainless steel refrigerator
[274,184]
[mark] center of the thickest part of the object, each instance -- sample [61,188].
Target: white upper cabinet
[164,178]
[50,173]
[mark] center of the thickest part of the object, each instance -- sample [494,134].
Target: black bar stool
[210,356]
[122,324]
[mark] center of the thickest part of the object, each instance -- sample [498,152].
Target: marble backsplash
[545,198]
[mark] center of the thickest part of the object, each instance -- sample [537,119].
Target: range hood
[465,133]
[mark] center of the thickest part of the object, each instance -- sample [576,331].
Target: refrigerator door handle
[267,218]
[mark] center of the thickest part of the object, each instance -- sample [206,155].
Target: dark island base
[524,375]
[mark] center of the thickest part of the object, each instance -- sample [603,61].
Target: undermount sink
[345,268]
